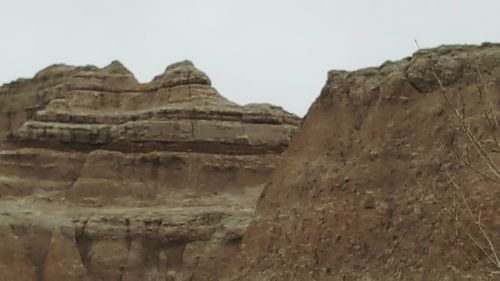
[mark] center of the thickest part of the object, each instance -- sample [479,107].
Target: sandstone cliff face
[108,129]
[366,189]
[105,178]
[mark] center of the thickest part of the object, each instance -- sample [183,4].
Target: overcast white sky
[254,51]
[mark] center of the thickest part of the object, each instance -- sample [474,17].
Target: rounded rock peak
[55,70]
[116,67]
[180,64]
[182,73]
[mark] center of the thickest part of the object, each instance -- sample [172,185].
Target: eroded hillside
[393,175]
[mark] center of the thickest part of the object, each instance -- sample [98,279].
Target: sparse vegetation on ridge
[466,213]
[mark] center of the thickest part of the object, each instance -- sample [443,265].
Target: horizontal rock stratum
[77,129]
[105,178]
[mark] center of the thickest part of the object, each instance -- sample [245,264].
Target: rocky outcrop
[374,182]
[108,129]
[185,238]
[105,178]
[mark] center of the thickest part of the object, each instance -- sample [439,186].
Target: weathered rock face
[373,184]
[105,178]
[82,128]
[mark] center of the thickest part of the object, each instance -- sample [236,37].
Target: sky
[272,51]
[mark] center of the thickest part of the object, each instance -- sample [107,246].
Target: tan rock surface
[108,129]
[105,178]
[184,238]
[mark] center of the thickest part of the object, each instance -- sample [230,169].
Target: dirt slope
[365,191]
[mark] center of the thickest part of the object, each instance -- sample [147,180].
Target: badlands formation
[105,178]
[393,174]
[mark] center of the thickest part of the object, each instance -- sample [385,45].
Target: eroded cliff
[105,178]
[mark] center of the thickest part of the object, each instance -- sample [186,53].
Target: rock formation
[105,178]
[374,182]
[392,175]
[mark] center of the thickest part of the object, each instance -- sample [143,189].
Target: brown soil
[365,191]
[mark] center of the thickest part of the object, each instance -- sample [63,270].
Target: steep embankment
[104,178]
[373,184]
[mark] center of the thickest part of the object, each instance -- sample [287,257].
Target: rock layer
[113,129]
[105,178]
[373,184]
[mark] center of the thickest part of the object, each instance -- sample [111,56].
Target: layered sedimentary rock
[390,177]
[105,178]
[108,129]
